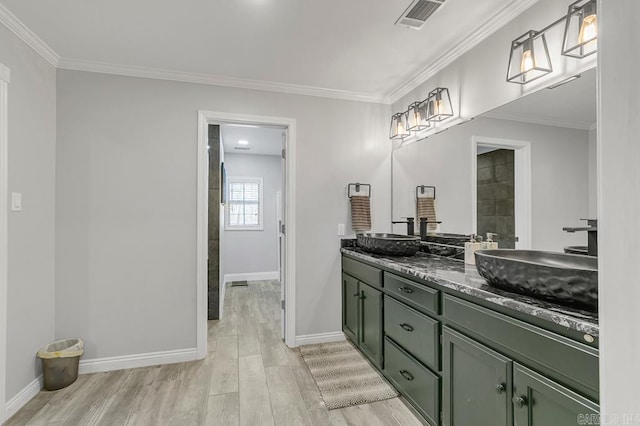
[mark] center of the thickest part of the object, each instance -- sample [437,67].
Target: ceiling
[571,105]
[262,140]
[343,46]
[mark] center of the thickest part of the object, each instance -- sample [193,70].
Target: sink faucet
[410,225]
[424,221]
[592,235]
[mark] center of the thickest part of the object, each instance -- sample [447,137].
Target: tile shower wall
[496,212]
[213,289]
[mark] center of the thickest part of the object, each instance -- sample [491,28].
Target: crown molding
[541,121]
[25,34]
[215,80]
[500,19]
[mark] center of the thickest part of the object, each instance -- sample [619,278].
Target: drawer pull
[501,388]
[406,375]
[405,290]
[520,401]
[407,327]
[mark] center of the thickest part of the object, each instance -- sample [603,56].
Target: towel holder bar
[423,189]
[357,187]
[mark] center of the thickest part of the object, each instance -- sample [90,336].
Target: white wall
[32,137]
[248,252]
[619,209]
[559,174]
[126,196]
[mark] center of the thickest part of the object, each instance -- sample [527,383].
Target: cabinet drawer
[415,332]
[419,296]
[563,359]
[415,382]
[365,273]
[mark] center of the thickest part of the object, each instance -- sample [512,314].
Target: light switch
[341,229]
[16,201]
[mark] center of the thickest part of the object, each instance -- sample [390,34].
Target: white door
[280,203]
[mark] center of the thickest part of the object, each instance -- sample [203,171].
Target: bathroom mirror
[523,171]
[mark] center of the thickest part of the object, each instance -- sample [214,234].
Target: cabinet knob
[501,388]
[406,290]
[519,401]
[406,375]
[407,327]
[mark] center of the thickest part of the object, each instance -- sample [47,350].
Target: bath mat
[343,376]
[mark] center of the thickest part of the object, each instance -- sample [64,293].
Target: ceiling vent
[418,12]
[239,148]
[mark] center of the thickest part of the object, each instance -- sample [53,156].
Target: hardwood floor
[249,378]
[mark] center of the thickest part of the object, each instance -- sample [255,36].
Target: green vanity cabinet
[370,332]
[362,317]
[540,401]
[460,362]
[475,383]
[350,302]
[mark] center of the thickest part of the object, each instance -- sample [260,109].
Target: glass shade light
[581,29]
[439,105]
[529,58]
[399,128]
[417,117]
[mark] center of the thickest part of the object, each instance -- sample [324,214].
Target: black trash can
[60,361]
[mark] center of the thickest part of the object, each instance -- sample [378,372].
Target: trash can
[60,362]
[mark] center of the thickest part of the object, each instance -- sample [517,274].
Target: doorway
[501,190]
[283,243]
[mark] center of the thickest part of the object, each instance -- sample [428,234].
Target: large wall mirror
[523,171]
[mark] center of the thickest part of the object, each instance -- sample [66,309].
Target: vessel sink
[389,244]
[566,279]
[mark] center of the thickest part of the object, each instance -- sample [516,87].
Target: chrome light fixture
[399,128]
[581,29]
[417,117]
[439,105]
[529,58]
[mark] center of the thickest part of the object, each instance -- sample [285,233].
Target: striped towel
[360,213]
[426,207]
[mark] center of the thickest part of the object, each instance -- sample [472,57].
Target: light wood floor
[249,378]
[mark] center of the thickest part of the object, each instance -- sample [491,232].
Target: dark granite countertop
[457,276]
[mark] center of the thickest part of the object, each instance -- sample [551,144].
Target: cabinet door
[540,401]
[476,383]
[350,302]
[371,323]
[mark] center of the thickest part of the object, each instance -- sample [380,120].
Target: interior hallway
[249,377]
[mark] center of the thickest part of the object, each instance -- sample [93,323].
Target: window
[244,204]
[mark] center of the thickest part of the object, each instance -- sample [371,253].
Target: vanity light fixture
[439,105]
[529,58]
[581,29]
[399,128]
[417,117]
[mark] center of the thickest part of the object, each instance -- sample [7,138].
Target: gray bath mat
[343,376]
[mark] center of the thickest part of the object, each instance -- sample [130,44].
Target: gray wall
[559,176]
[126,197]
[619,209]
[255,251]
[32,133]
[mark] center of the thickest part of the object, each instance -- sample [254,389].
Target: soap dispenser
[490,244]
[470,248]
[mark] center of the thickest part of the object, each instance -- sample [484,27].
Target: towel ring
[421,189]
[357,186]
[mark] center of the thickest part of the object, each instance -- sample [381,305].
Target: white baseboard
[253,276]
[97,365]
[22,397]
[311,339]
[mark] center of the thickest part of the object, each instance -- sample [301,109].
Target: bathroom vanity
[464,353]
